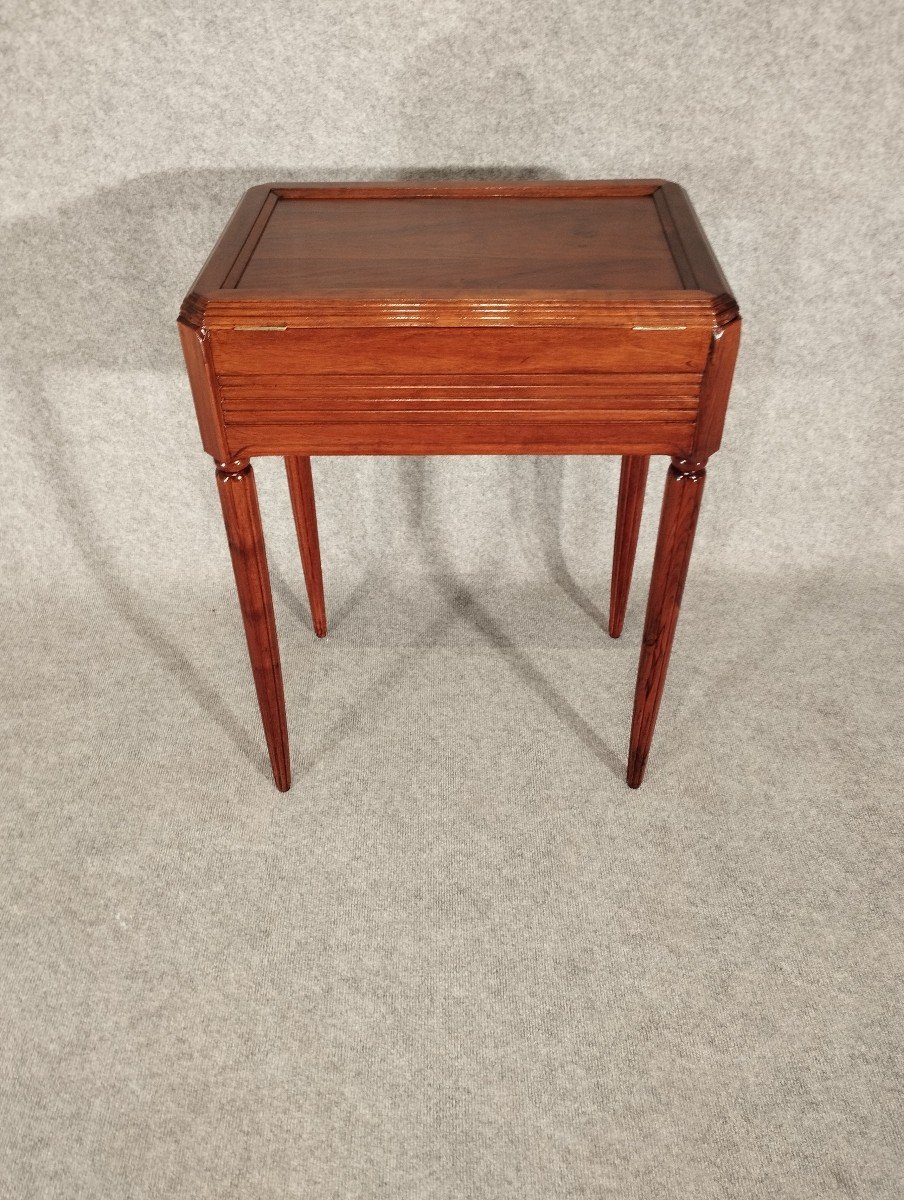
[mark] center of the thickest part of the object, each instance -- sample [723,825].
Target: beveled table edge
[706,299]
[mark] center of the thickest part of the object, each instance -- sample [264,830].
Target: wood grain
[337,431]
[413,245]
[715,388]
[241,515]
[631,487]
[304,510]
[581,413]
[529,252]
[455,351]
[204,389]
[677,524]
[450,308]
[250,244]
[610,390]
[462,317]
[690,246]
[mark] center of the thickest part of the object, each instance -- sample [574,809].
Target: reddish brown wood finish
[714,388]
[412,244]
[301,490]
[586,317]
[394,288]
[419,414]
[680,507]
[238,496]
[439,352]
[587,413]
[201,377]
[631,486]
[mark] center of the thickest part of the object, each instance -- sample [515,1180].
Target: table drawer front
[333,414]
[487,432]
[455,351]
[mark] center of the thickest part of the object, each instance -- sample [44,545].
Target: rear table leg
[631,487]
[301,489]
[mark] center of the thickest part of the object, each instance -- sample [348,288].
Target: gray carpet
[460,958]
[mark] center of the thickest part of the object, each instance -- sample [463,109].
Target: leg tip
[282,773]
[636,770]
[320,630]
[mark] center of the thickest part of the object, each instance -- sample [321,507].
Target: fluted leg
[238,496]
[680,506]
[631,486]
[301,489]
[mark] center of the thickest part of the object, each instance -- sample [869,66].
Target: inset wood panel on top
[425,245]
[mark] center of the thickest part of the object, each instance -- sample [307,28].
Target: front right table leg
[680,507]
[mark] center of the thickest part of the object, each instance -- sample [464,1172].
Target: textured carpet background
[459,958]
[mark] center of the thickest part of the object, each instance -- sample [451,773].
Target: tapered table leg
[301,489]
[631,486]
[238,496]
[680,506]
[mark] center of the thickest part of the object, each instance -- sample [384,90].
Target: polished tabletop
[490,245]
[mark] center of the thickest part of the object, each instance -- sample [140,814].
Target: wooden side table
[462,318]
